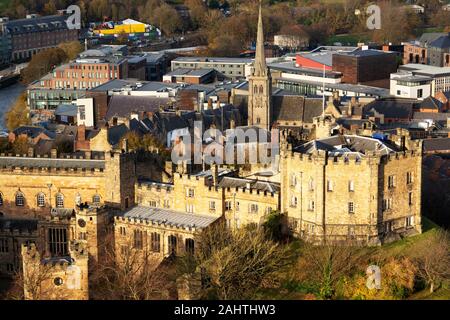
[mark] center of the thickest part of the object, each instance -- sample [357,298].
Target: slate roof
[7,161]
[391,108]
[123,106]
[438,144]
[296,108]
[169,217]
[431,103]
[429,37]
[48,23]
[442,42]
[436,116]
[263,186]
[69,110]
[347,144]
[116,133]
[33,131]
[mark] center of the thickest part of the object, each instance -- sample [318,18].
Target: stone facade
[371,199]
[55,279]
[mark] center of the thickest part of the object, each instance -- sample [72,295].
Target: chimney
[125,145]
[30,152]
[232,124]
[81,133]
[88,155]
[215,174]
[53,153]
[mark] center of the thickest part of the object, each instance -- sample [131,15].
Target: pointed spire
[260,57]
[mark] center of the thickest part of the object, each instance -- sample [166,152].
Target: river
[8,96]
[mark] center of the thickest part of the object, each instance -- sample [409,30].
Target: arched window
[261,89]
[96,198]
[20,199]
[1,199]
[59,200]
[190,246]
[40,200]
[255,89]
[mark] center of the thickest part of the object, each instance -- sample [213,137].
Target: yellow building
[352,188]
[127,26]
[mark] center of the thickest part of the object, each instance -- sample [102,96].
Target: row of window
[140,238]
[40,199]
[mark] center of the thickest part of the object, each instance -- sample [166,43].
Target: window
[351,186]
[294,201]
[293,180]
[172,240]
[387,204]
[410,198]
[189,246]
[419,93]
[155,241]
[138,238]
[311,184]
[96,199]
[228,205]
[122,231]
[57,241]
[237,206]
[152,204]
[351,207]
[82,236]
[40,200]
[410,221]
[1,199]
[59,200]
[253,208]
[190,193]
[166,203]
[409,177]
[4,245]
[311,206]
[190,208]
[212,205]
[20,199]
[391,182]
[330,186]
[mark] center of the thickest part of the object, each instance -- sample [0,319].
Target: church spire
[260,57]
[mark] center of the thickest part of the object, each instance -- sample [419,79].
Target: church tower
[260,85]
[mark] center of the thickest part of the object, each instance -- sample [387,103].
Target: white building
[407,85]
[440,76]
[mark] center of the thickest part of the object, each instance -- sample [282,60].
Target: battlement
[251,191]
[154,186]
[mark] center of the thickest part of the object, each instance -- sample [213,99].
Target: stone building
[62,278]
[352,188]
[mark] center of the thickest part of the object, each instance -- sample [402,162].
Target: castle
[65,209]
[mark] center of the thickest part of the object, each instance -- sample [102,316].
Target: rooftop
[344,145]
[422,69]
[169,217]
[214,59]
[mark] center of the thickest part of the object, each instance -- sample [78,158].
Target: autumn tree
[166,18]
[41,63]
[71,49]
[18,115]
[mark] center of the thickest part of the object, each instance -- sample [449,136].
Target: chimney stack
[53,153]
[30,152]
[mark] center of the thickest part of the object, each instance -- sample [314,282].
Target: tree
[129,274]
[41,63]
[433,259]
[235,264]
[71,49]
[18,115]
[166,18]
[326,264]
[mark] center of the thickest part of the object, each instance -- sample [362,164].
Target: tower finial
[260,57]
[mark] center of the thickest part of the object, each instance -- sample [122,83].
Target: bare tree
[433,259]
[234,264]
[327,264]
[129,274]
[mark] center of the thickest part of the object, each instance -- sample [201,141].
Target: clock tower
[260,85]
